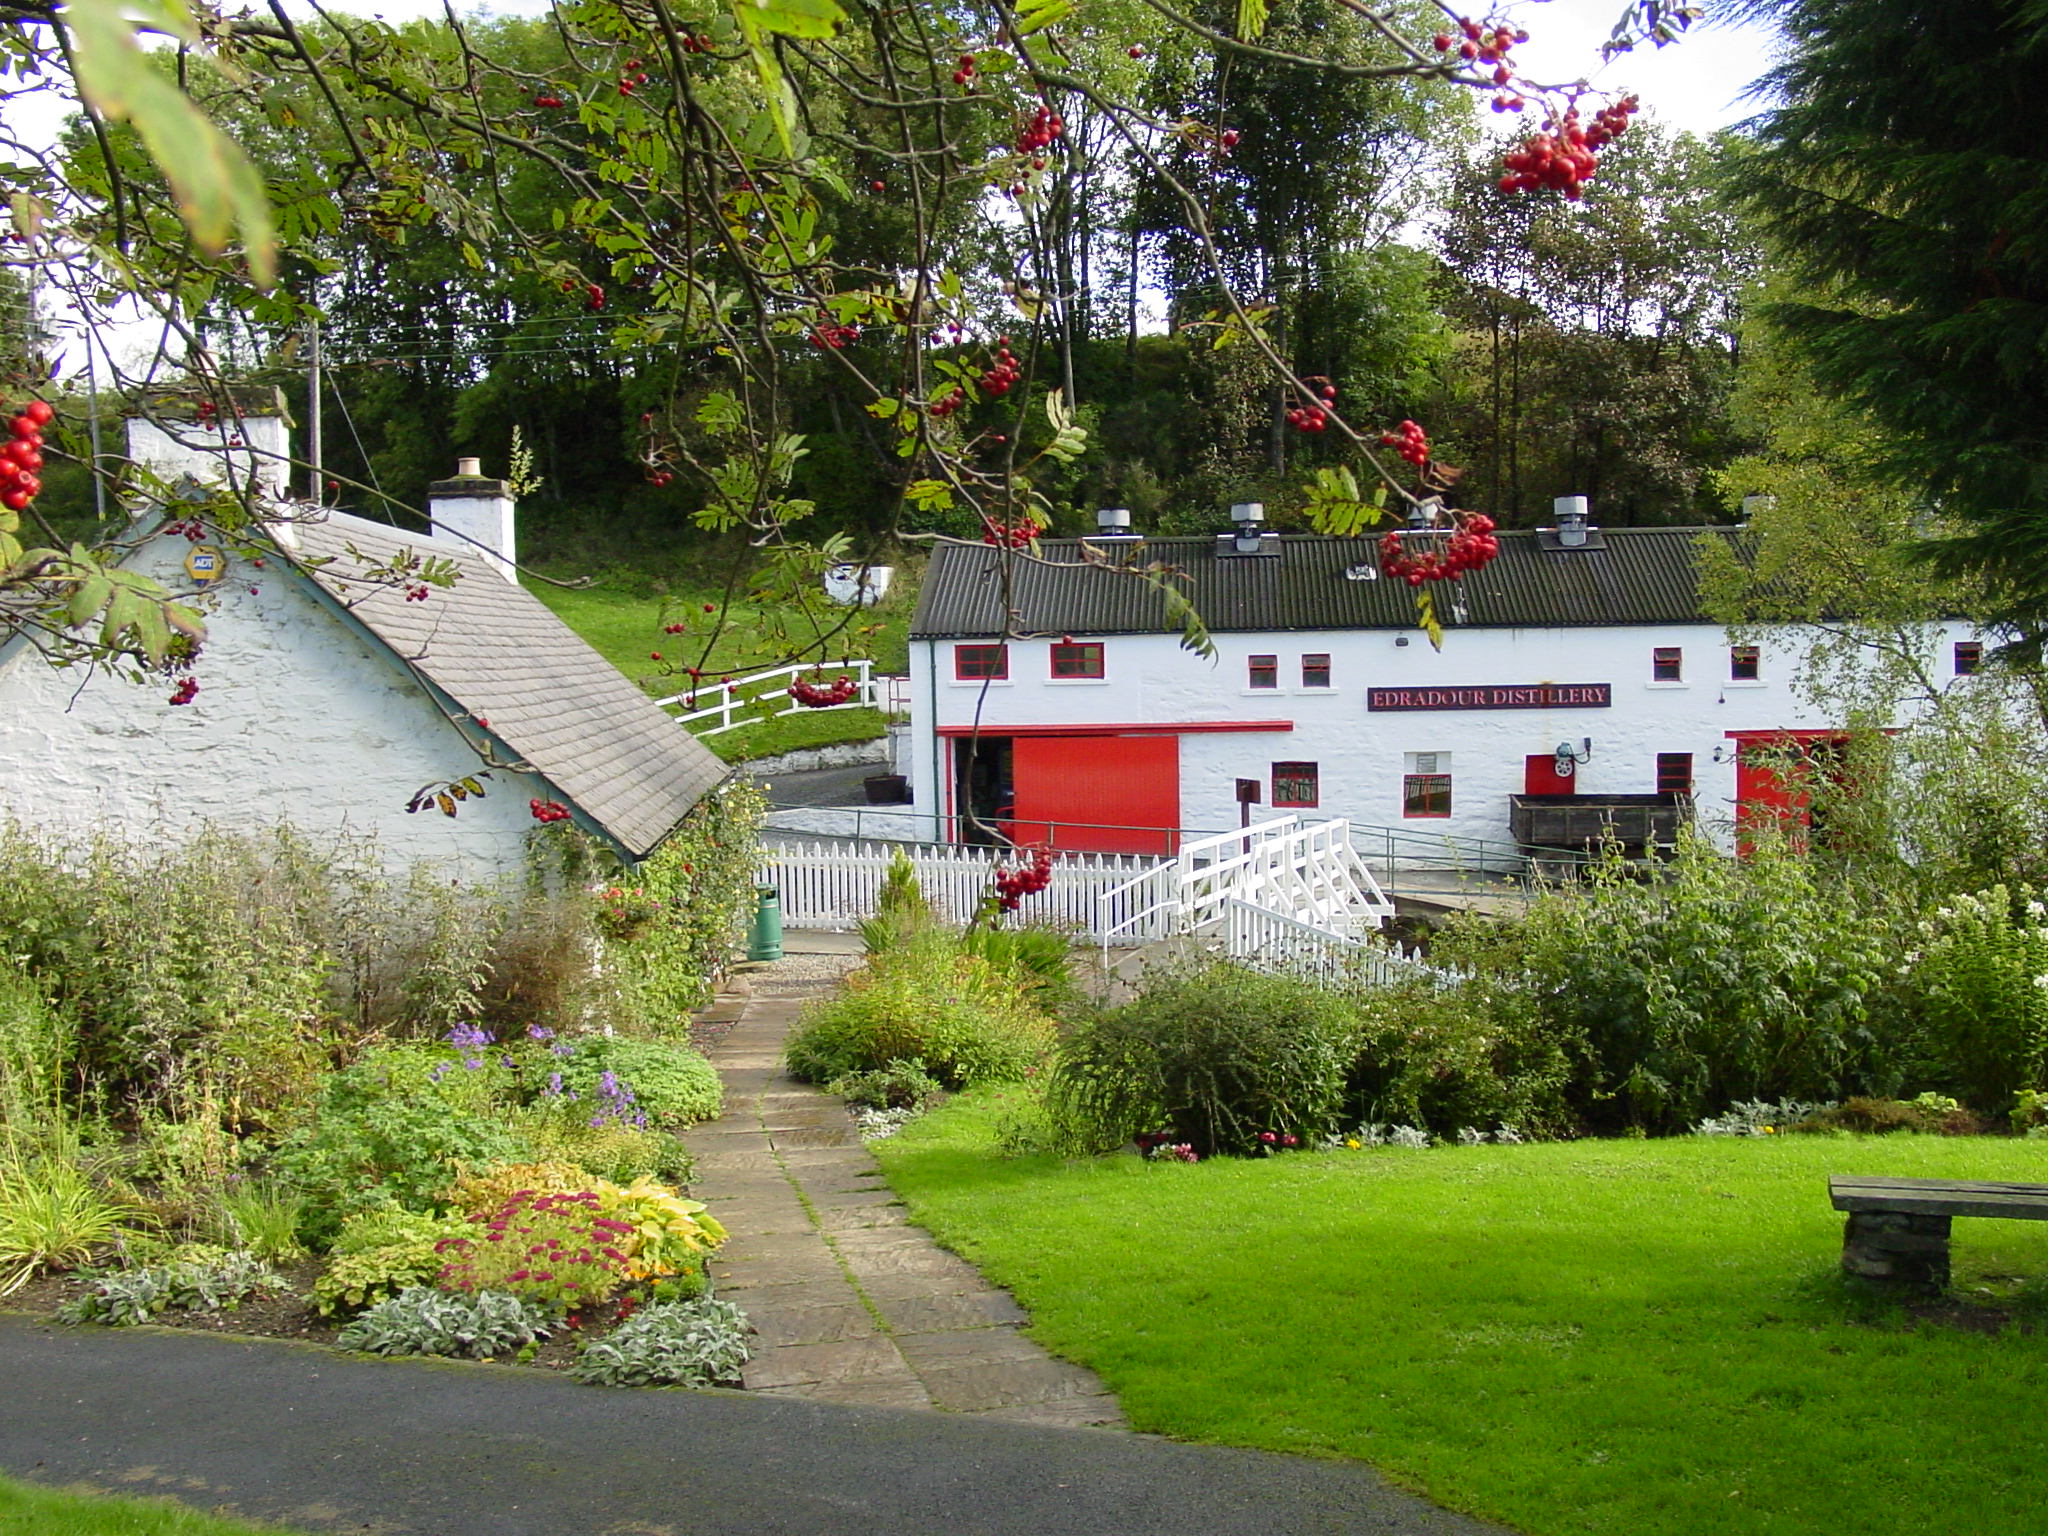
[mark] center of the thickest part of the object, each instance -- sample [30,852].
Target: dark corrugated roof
[496,650]
[1629,576]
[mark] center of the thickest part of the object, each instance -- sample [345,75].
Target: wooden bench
[1898,1228]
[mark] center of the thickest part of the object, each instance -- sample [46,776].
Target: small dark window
[1674,773]
[1667,664]
[1077,658]
[1296,785]
[977,663]
[1315,671]
[1265,671]
[1743,662]
[1426,794]
[1969,656]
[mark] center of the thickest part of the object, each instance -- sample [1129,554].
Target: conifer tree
[1902,171]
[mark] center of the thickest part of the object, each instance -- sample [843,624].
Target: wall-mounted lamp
[1568,760]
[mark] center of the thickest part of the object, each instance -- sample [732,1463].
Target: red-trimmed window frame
[1262,672]
[1667,664]
[1297,786]
[1969,658]
[1315,669]
[1426,795]
[1745,664]
[981,663]
[1674,773]
[1072,659]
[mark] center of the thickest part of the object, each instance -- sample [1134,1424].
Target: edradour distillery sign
[1495,696]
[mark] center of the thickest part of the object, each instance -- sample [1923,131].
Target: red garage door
[1099,794]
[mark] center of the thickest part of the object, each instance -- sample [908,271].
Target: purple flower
[539,1032]
[609,1083]
[561,1050]
[438,1073]
[469,1037]
[554,1088]
[473,1062]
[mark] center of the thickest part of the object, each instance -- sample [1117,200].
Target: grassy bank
[620,617]
[1577,1337]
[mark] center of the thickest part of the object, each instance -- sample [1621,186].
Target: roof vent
[1114,523]
[1252,537]
[1253,512]
[1571,521]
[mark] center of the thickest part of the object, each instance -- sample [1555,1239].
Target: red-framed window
[1667,664]
[1077,658]
[1745,664]
[1426,794]
[1264,672]
[1674,773]
[981,663]
[1969,657]
[1315,670]
[1296,786]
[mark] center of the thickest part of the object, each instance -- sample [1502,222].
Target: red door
[1101,794]
[1540,775]
[1773,778]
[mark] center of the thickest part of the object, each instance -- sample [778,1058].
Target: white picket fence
[1263,940]
[744,701]
[834,885]
[1310,872]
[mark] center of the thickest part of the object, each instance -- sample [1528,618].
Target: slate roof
[1624,576]
[497,652]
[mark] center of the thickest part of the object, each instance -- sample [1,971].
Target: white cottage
[330,699]
[1578,669]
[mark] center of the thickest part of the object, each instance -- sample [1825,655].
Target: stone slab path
[853,1304]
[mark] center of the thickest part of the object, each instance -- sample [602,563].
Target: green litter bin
[766,943]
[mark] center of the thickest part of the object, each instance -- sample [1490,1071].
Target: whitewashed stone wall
[298,719]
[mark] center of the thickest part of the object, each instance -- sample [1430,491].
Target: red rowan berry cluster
[22,457]
[1006,372]
[547,99]
[1045,126]
[191,531]
[186,691]
[1313,418]
[593,297]
[947,404]
[1008,535]
[696,42]
[827,335]
[418,594]
[1565,155]
[1469,548]
[1411,442]
[548,810]
[1013,885]
[673,629]
[1483,43]
[822,695]
[633,78]
[964,75]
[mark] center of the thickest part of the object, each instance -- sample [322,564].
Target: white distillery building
[1577,669]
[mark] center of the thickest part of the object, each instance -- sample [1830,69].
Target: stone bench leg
[1897,1249]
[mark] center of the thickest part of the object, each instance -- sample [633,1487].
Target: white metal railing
[742,701]
[1308,872]
[1264,940]
[834,885]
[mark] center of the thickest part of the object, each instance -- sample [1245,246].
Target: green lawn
[27,1509]
[620,619]
[1627,1337]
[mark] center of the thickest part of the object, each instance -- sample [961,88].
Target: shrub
[262,1218]
[421,1321]
[665,1234]
[479,1192]
[555,1250]
[202,1282]
[1705,982]
[965,1020]
[672,1085]
[378,1255]
[1980,993]
[1213,1058]
[698,1343]
[894,1085]
[620,1153]
[1037,955]
[1452,1057]
[385,1133]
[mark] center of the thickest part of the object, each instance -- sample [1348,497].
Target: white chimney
[252,452]
[477,512]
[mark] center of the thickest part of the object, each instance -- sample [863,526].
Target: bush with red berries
[21,459]
[545,811]
[823,695]
[1565,155]
[1028,879]
[1411,442]
[1416,555]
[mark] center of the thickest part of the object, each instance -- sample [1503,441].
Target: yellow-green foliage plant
[380,1254]
[52,1216]
[670,1235]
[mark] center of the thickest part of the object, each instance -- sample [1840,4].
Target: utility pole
[92,406]
[317,493]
